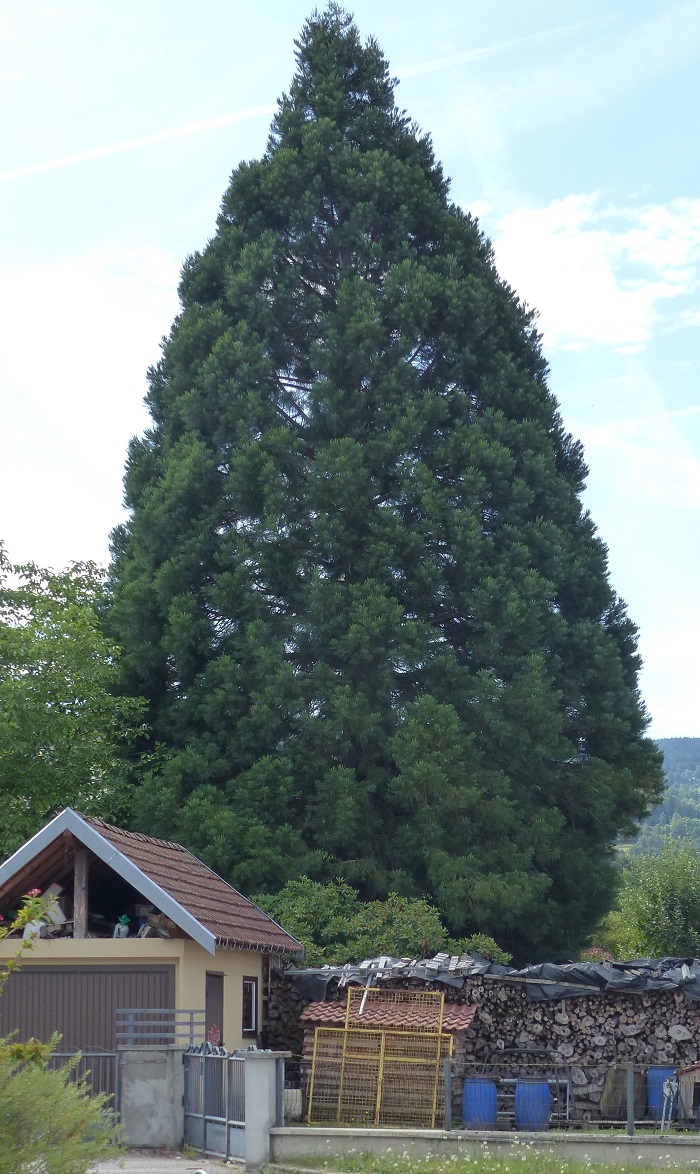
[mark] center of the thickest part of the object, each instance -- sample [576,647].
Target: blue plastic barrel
[532,1104]
[479,1105]
[655,1091]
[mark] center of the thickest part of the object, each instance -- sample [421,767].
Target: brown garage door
[80,1001]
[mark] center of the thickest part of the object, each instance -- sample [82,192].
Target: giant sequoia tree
[358,588]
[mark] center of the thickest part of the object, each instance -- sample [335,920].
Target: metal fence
[214,1101]
[99,1070]
[536,1094]
[531,1094]
[141,1026]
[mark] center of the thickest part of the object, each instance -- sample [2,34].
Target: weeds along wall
[589,1033]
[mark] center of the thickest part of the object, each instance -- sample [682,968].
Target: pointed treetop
[338,79]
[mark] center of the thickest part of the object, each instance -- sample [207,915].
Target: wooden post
[447,1065]
[630,1100]
[80,893]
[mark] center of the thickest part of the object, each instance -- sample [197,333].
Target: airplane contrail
[160,136]
[556,34]
[191,128]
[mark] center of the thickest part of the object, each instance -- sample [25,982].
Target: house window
[250,1006]
[214,1007]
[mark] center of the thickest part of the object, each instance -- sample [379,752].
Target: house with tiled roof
[136,923]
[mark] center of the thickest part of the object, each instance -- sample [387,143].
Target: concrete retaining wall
[295,1143]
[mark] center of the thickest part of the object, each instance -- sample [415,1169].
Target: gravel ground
[150,1162]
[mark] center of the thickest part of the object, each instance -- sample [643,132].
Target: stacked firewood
[283,1031]
[587,1034]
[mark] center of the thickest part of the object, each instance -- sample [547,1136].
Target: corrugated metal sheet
[80,1001]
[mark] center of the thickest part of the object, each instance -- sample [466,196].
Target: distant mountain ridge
[679,812]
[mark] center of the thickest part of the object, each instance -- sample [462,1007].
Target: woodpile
[587,1034]
[283,1031]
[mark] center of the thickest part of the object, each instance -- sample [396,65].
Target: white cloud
[597,274]
[78,337]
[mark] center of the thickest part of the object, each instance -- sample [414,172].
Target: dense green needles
[358,588]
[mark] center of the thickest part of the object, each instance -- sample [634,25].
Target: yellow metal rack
[381,1075]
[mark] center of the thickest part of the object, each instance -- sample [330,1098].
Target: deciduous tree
[61,727]
[334,926]
[658,908]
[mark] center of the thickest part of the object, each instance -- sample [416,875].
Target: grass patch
[523,1159]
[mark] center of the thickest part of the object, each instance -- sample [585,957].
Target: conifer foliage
[357,586]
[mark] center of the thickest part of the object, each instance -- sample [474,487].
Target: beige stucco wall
[122,951]
[191,962]
[190,983]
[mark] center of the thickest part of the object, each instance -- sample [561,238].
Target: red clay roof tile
[456,1016]
[234,921]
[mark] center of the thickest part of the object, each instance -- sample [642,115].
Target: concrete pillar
[264,1072]
[151,1088]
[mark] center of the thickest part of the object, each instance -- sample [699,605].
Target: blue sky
[570,130]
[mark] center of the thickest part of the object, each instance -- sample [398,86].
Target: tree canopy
[334,926]
[61,728]
[358,588]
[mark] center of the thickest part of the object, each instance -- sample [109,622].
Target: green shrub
[49,1123]
[335,926]
[657,913]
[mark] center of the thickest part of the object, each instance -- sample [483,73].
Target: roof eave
[297,949]
[259,947]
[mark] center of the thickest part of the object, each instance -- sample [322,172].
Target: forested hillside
[679,813]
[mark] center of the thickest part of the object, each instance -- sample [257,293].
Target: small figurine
[121,929]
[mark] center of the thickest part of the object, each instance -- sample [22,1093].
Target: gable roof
[166,874]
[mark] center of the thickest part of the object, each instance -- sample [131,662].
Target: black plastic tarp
[545,982]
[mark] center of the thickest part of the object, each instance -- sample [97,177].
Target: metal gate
[100,1070]
[365,1078]
[215,1102]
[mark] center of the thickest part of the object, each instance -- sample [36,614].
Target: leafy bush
[336,927]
